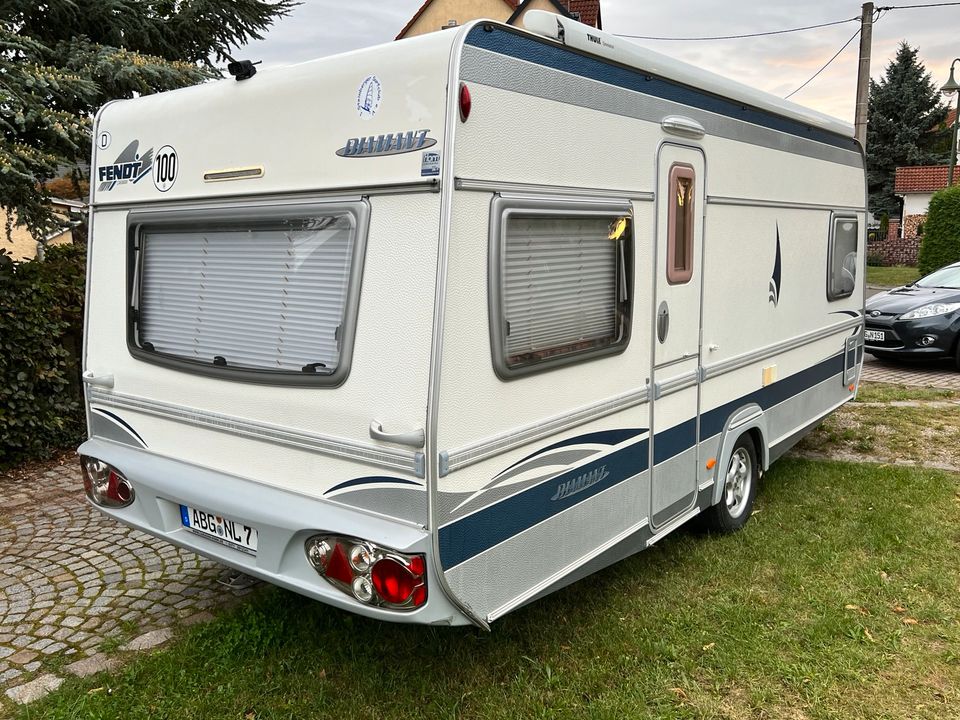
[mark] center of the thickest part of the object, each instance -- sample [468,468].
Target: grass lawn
[891,276]
[839,600]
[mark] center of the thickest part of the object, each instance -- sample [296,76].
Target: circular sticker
[103,140]
[165,168]
[368,97]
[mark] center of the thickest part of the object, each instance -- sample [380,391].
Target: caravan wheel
[739,489]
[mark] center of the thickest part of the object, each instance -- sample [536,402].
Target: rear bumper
[284,521]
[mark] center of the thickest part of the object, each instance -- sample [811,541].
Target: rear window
[265,295]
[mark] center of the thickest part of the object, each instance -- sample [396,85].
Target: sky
[778,64]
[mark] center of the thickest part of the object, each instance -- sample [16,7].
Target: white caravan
[429,330]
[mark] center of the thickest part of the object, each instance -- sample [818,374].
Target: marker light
[465,102]
[369,573]
[104,484]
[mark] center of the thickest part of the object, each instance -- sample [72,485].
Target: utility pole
[863,75]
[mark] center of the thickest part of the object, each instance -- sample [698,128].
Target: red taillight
[105,485]
[465,102]
[371,574]
[393,581]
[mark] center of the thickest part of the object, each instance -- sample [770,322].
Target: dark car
[919,320]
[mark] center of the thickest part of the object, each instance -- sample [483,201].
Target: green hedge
[941,231]
[41,330]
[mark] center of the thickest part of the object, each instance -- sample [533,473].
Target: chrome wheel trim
[737,483]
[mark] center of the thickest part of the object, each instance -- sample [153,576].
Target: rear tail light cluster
[373,575]
[104,484]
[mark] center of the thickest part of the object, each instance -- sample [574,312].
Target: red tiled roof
[511,3]
[922,179]
[589,11]
[951,117]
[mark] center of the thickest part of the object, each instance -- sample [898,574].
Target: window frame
[836,217]
[502,207]
[185,218]
[675,276]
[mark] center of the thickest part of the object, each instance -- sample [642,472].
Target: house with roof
[915,185]
[443,14]
[22,245]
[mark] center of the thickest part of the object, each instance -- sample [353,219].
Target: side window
[842,257]
[680,221]
[560,282]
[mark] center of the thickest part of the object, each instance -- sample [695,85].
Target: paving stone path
[72,580]
[941,374]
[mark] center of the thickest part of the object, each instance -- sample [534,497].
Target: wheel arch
[747,420]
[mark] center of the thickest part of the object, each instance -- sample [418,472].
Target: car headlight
[931,310]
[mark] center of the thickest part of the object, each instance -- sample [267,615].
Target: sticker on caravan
[129,167]
[103,140]
[430,164]
[165,168]
[389,144]
[368,97]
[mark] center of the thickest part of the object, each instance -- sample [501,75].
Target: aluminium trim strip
[274,197]
[470,454]
[411,462]
[564,571]
[551,190]
[778,204]
[678,383]
[739,361]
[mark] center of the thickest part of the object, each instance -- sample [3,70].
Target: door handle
[415,438]
[663,321]
[102,380]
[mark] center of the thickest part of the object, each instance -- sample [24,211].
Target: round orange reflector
[711,463]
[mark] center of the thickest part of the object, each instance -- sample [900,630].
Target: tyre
[956,356]
[739,489]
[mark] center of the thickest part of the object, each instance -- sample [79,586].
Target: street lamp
[950,87]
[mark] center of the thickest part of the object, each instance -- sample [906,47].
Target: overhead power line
[746,35]
[785,31]
[825,65]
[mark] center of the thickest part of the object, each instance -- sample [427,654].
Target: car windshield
[948,277]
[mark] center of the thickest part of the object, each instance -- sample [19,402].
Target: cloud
[777,64]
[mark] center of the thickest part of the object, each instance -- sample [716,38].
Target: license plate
[875,335]
[215,527]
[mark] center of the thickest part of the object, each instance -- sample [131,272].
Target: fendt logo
[130,166]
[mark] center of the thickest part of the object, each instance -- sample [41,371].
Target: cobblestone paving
[72,579]
[941,375]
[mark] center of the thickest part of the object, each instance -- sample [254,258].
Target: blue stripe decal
[567,60]
[485,528]
[712,422]
[370,481]
[601,437]
[469,536]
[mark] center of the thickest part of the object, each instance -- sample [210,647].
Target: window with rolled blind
[266,296]
[562,284]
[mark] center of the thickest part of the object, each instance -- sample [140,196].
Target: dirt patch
[921,433]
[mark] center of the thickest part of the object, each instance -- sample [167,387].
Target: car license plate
[875,335]
[231,533]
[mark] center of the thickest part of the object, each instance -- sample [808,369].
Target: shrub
[941,232]
[876,260]
[41,327]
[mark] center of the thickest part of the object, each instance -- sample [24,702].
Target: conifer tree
[905,113]
[60,60]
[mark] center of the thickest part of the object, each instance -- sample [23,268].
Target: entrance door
[678,294]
